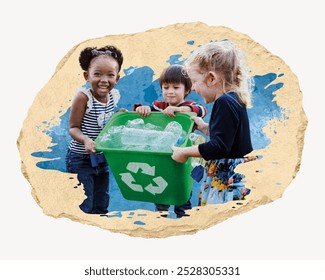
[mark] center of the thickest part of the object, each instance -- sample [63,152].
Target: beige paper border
[54,191]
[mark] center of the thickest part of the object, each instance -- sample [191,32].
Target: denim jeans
[178,209]
[94,179]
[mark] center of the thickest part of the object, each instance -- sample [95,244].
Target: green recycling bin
[150,175]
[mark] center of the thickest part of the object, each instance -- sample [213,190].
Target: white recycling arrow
[161,186]
[128,179]
[146,168]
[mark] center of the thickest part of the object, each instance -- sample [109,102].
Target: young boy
[175,85]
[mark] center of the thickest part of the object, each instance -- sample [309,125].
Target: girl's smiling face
[173,93]
[208,85]
[102,76]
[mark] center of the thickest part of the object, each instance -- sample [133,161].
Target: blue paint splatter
[190,42]
[264,108]
[138,86]
[140,223]
[114,215]
[60,139]
[140,215]
[129,71]
[174,59]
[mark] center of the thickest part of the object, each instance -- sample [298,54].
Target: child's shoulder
[83,98]
[230,96]
[84,92]
[230,99]
[197,108]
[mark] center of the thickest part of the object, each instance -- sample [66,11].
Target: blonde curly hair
[226,59]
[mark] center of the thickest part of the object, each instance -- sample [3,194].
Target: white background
[35,36]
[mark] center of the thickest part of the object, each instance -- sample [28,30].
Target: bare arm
[182,154]
[78,109]
[201,125]
[170,110]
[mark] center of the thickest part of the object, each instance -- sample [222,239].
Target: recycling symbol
[157,188]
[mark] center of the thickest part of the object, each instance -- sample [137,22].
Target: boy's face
[102,76]
[173,93]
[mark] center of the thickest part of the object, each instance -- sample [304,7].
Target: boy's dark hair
[175,74]
[88,54]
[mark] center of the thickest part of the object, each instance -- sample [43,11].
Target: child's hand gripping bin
[149,175]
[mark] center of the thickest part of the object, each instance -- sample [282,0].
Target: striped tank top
[97,114]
